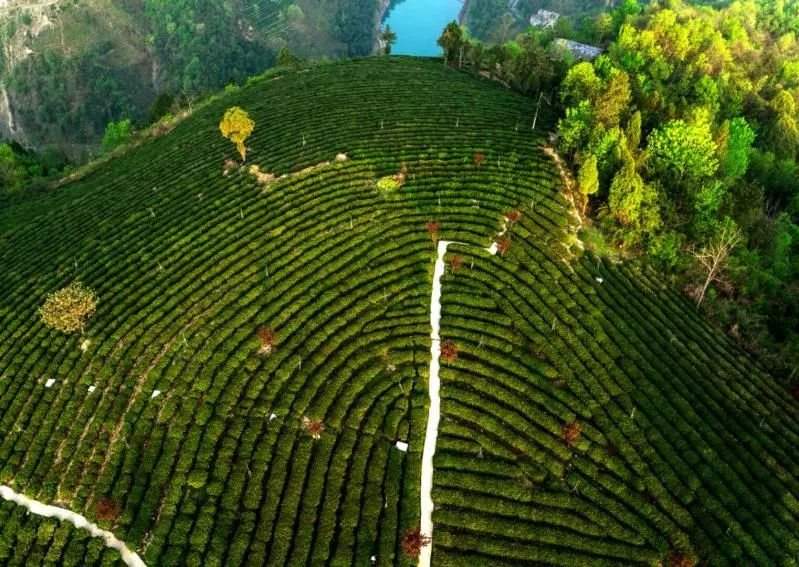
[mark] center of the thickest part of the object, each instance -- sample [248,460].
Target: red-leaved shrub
[449,351]
[571,432]
[413,541]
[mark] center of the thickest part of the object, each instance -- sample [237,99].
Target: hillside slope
[68,68]
[167,409]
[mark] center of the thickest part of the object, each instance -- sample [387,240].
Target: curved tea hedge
[189,263]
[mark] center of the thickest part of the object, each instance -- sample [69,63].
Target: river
[419,23]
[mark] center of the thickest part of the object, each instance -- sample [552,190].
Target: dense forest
[82,65]
[683,137]
[686,130]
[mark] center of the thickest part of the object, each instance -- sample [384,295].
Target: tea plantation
[590,417]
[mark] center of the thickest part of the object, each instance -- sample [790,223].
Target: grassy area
[684,445]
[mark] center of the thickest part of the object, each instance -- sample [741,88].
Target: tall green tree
[633,203]
[581,83]
[117,134]
[614,100]
[680,151]
[286,58]
[588,179]
[575,128]
[633,131]
[11,170]
[387,39]
[452,42]
[737,144]
[784,135]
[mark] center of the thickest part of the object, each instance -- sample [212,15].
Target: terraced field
[590,416]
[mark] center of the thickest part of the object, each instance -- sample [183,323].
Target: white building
[544,19]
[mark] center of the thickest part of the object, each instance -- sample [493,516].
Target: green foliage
[700,83]
[614,100]
[285,58]
[707,204]
[664,250]
[98,64]
[162,105]
[588,176]
[680,151]
[633,131]
[485,19]
[54,100]
[295,14]
[581,83]
[633,202]
[452,42]
[354,24]
[388,184]
[784,134]
[736,148]
[117,134]
[388,38]
[575,128]
[197,46]
[11,170]
[21,169]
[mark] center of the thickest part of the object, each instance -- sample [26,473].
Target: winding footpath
[129,557]
[434,388]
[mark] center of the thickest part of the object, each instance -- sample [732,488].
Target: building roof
[577,50]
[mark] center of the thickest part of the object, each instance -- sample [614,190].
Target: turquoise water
[419,23]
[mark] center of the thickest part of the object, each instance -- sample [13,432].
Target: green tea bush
[681,437]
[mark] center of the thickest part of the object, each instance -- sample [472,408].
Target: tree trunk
[537,108]
[704,287]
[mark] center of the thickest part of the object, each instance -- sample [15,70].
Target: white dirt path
[434,388]
[129,557]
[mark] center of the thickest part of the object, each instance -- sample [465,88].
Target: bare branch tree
[714,255]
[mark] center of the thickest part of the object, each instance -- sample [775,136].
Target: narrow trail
[129,557]
[434,388]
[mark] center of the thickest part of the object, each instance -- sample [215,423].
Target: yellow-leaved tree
[237,126]
[67,310]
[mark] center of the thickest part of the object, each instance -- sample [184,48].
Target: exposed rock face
[8,127]
[15,48]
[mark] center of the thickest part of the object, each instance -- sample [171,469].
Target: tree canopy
[691,115]
[237,126]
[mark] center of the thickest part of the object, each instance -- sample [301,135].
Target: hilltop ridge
[589,414]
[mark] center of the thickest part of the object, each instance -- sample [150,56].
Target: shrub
[68,309]
[391,183]
[161,106]
[503,245]
[449,351]
[117,134]
[413,540]
[479,158]
[680,560]
[571,432]
[456,262]
[106,509]
[314,427]
[268,339]
[197,479]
